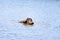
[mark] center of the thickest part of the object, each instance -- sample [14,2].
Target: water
[45,14]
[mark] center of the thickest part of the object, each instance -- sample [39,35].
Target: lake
[45,14]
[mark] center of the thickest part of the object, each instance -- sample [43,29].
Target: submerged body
[27,21]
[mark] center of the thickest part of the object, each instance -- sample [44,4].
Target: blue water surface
[45,14]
